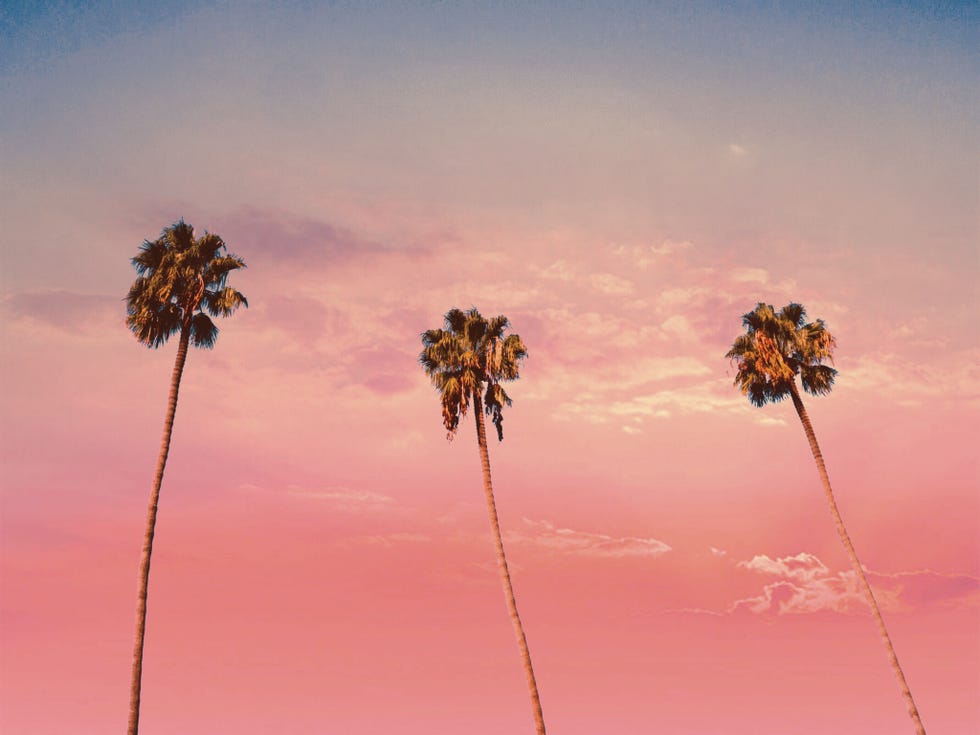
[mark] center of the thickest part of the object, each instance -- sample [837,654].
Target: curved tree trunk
[151,519]
[515,619]
[855,563]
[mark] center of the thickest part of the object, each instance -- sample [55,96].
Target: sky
[623,181]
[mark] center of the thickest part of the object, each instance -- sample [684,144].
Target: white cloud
[339,498]
[669,247]
[805,585]
[738,151]
[643,256]
[802,567]
[910,383]
[566,540]
[679,327]
[674,297]
[557,271]
[750,275]
[706,397]
[610,284]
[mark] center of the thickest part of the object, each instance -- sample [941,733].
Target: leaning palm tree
[775,348]
[179,277]
[466,362]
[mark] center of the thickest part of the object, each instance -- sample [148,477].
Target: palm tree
[178,278]
[775,348]
[466,362]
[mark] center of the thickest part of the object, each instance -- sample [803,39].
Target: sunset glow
[623,183]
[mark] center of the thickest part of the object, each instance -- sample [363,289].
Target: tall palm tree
[775,348]
[466,362]
[179,277]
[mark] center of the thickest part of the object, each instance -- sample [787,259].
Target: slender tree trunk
[515,619]
[855,563]
[151,520]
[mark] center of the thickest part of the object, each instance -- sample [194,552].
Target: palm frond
[794,314]
[224,302]
[173,275]
[179,236]
[817,380]
[455,321]
[470,357]
[217,269]
[203,331]
[150,256]
[776,347]
[206,249]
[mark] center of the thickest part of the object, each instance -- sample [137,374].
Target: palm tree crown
[778,346]
[471,351]
[178,278]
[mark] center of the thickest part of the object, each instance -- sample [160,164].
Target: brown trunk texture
[515,619]
[855,563]
[151,520]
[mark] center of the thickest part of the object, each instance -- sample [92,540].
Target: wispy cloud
[274,238]
[804,584]
[715,396]
[750,275]
[643,256]
[67,311]
[559,271]
[911,383]
[391,539]
[338,498]
[565,540]
[610,284]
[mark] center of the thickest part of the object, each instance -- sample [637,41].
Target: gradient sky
[623,182]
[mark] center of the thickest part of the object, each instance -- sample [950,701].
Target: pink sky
[623,185]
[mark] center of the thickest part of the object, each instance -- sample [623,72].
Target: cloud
[803,566]
[557,271]
[391,539]
[645,255]
[705,397]
[678,327]
[674,297]
[67,311]
[750,275]
[338,498]
[913,383]
[270,237]
[610,284]
[926,587]
[804,584]
[669,247]
[737,151]
[584,543]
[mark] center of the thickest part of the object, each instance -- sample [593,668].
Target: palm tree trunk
[151,520]
[855,563]
[515,619]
